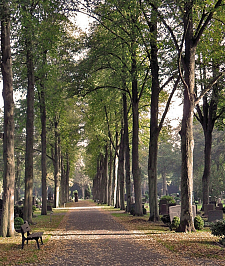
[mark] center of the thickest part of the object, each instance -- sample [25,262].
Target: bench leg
[37,243]
[23,243]
[41,240]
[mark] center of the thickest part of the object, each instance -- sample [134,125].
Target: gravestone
[164,209]
[49,208]
[219,207]
[163,202]
[213,202]
[49,196]
[208,207]
[215,215]
[176,211]
[33,201]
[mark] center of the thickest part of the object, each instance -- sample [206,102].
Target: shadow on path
[89,236]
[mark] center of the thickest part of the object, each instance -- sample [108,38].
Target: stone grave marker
[215,215]
[219,207]
[163,202]
[164,209]
[176,211]
[208,207]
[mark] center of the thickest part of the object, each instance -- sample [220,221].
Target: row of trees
[138,53]
[143,51]
[41,54]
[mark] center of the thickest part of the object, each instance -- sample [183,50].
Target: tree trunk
[121,172]
[187,141]
[101,179]
[62,183]
[135,141]
[56,169]
[17,179]
[67,176]
[127,154]
[105,160]
[164,183]
[152,175]
[154,129]
[7,219]
[207,119]
[115,171]
[43,149]
[115,181]
[207,167]
[110,177]
[29,132]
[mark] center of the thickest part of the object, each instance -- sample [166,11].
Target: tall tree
[211,110]
[121,24]
[7,219]
[157,90]
[192,30]
[29,32]
[191,39]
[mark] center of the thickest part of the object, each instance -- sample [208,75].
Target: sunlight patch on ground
[78,208]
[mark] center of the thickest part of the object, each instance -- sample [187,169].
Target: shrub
[218,229]
[175,223]
[34,208]
[198,222]
[170,199]
[166,219]
[18,211]
[18,221]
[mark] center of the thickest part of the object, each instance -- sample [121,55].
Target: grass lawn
[11,252]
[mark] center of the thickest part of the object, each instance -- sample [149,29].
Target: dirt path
[90,236]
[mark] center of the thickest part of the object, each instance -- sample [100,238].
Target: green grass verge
[11,252]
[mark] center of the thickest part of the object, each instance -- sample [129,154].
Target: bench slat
[38,234]
[25,228]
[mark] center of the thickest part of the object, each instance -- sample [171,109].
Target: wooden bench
[25,228]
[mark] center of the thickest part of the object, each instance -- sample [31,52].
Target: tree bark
[135,140]
[105,161]
[29,131]
[164,183]
[127,153]
[62,183]
[7,219]
[67,177]
[121,172]
[154,129]
[207,118]
[110,176]
[56,169]
[17,179]
[43,146]
[187,141]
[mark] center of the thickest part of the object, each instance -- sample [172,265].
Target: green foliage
[218,229]
[175,223]
[170,199]
[166,219]
[34,208]
[198,222]
[18,221]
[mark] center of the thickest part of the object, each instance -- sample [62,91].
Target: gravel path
[90,236]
